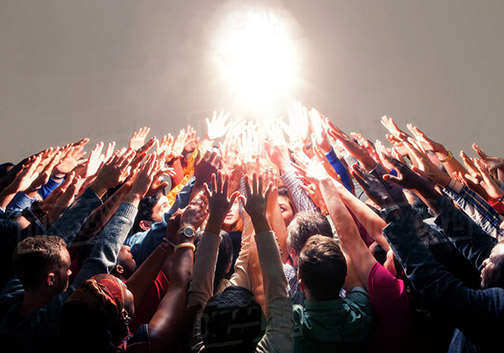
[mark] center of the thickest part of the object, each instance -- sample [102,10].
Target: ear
[145,225]
[50,279]
[301,284]
[119,269]
[228,267]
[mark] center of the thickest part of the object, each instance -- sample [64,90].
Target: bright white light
[256,60]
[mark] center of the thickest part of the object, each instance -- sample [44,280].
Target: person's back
[329,323]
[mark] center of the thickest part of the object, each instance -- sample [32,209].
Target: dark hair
[4,168]
[224,259]
[232,321]
[145,208]
[322,267]
[34,257]
[283,191]
[304,225]
[378,252]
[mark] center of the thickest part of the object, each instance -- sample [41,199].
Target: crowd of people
[287,236]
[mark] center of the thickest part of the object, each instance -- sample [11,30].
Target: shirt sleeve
[340,169]
[476,207]
[20,202]
[468,308]
[280,324]
[469,238]
[70,222]
[300,198]
[46,189]
[103,256]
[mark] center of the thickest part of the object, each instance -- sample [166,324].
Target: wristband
[185,245]
[449,157]
[165,243]
[501,198]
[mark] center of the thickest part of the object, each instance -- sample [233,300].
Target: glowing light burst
[256,60]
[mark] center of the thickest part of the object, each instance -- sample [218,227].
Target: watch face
[188,232]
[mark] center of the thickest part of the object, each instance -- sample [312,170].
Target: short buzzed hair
[322,267]
[34,256]
[304,225]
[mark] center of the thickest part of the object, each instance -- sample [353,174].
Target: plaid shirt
[300,198]
[481,212]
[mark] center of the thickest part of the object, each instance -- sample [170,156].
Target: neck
[34,299]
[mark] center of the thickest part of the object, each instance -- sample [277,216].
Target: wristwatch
[188,232]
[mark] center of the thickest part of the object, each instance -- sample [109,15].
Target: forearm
[100,216]
[373,223]
[103,257]
[275,283]
[301,200]
[70,222]
[201,288]
[168,321]
[141,280]
[340,168]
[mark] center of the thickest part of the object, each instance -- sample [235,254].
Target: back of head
[91,318]
[322,267]
[34,257]
[304,225]
[231,321]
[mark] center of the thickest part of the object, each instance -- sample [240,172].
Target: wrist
[98,188]
[260,223]
[57,176]
[132,198]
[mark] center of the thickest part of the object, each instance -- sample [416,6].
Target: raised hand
[138,138]
[109,151]
[48,203]
[191,141]
[217,126]
[492,162]
[195,212]
[311,171]
[65,200]
[43,177]
[158,182]
[94,161]
[382,153]
[374,188]
[256,200]
[488,183]
[426,143]
[298,127]
[142,181]
[27,175]
[205,166]
[113,172]
[352,147]
[219,203]
[423,163]
[319,133]
[178,144]
[392,127]
[70,158]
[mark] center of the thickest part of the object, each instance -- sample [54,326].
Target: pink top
[390,301]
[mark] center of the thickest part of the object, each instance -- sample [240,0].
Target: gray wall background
[103,68]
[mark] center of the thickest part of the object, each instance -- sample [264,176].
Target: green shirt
[342,325]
